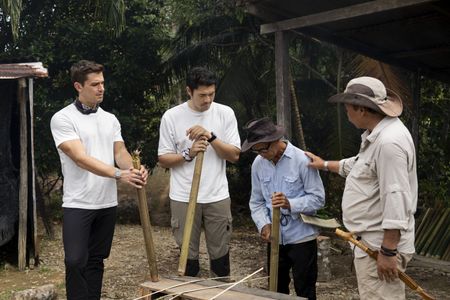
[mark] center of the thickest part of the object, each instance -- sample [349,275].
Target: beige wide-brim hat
[261,131]
[370,92]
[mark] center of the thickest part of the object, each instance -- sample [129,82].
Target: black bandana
[84,109]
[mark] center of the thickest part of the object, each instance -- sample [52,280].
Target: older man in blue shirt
[281,178]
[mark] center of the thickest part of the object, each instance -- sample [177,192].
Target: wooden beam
[282,82]
[358,10]
[420,52]
[23,188]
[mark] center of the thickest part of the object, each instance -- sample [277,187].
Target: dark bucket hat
[370,92]
[261,131]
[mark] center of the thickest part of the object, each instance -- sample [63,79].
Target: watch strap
[212,138]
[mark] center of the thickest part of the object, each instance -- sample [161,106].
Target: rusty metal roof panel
[22,70]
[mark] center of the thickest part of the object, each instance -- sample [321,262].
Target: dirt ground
[127,267]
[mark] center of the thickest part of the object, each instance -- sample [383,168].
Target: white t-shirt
[97,132]
[219,119]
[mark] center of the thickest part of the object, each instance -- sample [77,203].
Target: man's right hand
[265,233]
[199,145]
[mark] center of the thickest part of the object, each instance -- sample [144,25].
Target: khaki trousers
[371,287]
[217,220]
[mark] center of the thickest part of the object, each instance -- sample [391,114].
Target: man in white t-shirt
[201,125]
[89,144]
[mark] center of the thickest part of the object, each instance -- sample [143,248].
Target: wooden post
[33,173]
[282,82]
[23,188]
[145,223]
[274,249]
[190,214]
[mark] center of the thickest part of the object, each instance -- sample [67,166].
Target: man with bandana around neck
[93,157]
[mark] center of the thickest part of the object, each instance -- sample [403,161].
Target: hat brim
[393,107]
[278,134]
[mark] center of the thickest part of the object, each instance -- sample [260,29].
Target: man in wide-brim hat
[281,178]
[380,195]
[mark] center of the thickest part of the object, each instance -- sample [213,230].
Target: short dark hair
[199,76]
[80,70]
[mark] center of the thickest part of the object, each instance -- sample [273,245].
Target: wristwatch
[117,173]
[186,155]
[212,138]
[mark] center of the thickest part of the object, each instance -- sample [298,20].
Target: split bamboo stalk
[423,220]
[446,255]
[440,235]
[274,249]
[190,214]
[426,231]
[444,243]
[374,254]
[434,229]
[145,222]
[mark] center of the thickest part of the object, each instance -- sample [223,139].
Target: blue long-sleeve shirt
[301,185]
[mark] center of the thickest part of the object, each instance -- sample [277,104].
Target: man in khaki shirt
[380,195]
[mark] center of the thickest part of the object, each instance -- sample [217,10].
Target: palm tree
[112,12]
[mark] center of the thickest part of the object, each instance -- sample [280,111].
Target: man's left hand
[196,132]
[280,200]
[387,267]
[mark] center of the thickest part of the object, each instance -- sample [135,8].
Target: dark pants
[87,238]
[302,258]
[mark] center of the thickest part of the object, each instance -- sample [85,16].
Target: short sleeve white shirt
[219,119]
[97,132]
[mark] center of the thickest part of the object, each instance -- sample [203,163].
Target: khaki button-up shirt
[381,186]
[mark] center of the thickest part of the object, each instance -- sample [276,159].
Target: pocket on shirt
[292,186]
[364,170]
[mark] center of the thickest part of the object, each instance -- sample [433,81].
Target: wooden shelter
[413,34]
[17,171]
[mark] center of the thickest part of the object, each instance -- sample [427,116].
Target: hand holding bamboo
[374,254]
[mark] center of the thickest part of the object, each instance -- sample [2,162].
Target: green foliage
[146,59]
[434,149]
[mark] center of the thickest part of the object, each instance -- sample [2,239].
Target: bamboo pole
[33,173]
[190,214]
[374,254]
[23,188]
[145,223]
[274,249]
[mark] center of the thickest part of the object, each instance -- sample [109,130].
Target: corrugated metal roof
[21,70]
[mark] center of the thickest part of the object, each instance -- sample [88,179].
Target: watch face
[117,173]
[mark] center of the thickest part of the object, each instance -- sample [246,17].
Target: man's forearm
[391,238]
[226,151]
[171,160]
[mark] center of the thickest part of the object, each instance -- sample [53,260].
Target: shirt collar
[370,137]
